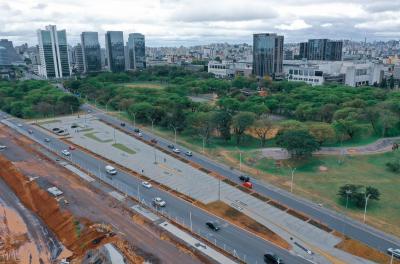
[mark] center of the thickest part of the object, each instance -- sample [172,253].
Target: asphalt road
[354,229]
[239,242]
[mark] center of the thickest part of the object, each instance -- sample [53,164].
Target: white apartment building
[352,73]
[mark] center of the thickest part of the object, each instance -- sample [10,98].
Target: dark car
[153,140]
[122,124]
[171,146]
[137,130]
[212,226]
[244,178]
[270,258]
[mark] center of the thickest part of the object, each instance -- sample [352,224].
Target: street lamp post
[366,203]
[291,184]
[348,193]
[134,120]
[174,131]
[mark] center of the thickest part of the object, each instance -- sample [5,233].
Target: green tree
[261,128]
[241,122]
[347,127]
[201,123]
[299,143]
[322,132]
[222,122]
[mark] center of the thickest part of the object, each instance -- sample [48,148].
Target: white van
[111,170]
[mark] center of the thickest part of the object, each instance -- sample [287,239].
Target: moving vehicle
[176,150]
[394,252]
[244,178]
[122,124]
[157,201]
[146,184]
[171,146]
[188,153]
[140,134]
[153,140]
[137,130]
[213,226]
[47,140]
[270,258]
[30,131]
[3,147]
[248,185]
[111,170]
[65,152]
[20,125]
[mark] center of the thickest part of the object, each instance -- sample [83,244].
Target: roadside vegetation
[246,115]
[31,99]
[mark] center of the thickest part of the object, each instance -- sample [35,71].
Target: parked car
[47,140]
[171,146]
[110,170]
[157,201]
[394,252]
[65,152]
[270,258]
[244,178]
[122,124]
[137,130]
[188,153]
[153,140]
[176,150]
[146,184]
[213,226]
[3,147]
[248,185]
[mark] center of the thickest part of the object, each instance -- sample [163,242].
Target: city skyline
[232,22]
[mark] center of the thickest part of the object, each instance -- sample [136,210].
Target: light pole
[203,143]
[174,132]
[348,193]
[240,159]
[291,183]
[366,204]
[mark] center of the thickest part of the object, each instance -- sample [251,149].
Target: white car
[394,252]
[188,153]
[157,201]
[66,152]
[146,184]
[3,147]
[176,150]
[47,140]
[140,134]
[20,125]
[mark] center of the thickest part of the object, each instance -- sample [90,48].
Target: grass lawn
[322,187]
[123,148]
[149,85]
[92,135]
[51,121]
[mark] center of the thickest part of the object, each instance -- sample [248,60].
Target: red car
[248,185]
[71,147]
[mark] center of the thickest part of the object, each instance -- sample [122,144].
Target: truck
[111,170]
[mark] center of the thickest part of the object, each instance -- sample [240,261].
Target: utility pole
[174,131]
[366,203]
[291,184]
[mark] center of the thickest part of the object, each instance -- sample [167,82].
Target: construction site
[82,225]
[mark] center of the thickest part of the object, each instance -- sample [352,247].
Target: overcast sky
[191,22]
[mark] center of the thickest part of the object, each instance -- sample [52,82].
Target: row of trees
[29,99]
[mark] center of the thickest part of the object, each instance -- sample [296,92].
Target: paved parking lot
[123,149]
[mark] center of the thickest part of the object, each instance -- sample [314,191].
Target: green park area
[248,114]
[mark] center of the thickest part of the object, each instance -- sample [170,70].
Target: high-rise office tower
[267,55]
[136,51]
[322,49]
[91,51]
[303,52]
[53,52]
[115,51]
[4,60]
[12,55]
[77,59]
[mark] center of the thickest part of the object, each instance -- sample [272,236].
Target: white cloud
[295,25]
[194,21]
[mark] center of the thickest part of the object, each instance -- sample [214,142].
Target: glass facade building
[321,49]
[115,51]
[53,53]
[91,51]
[136,51]
[267,55]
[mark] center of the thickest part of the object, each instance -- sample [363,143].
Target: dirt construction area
[82,219]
